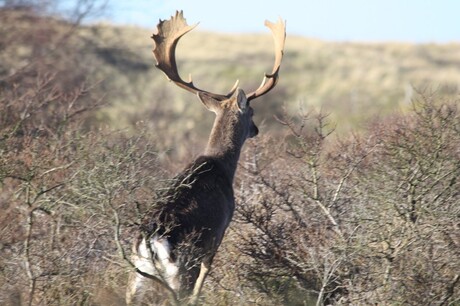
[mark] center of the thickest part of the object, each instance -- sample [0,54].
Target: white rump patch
[162,249]
[163,265]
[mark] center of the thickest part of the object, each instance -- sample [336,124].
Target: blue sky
[337,20]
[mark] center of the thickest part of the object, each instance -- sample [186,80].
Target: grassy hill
[352,81]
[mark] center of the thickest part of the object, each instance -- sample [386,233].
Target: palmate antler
[170,31]
[279,36]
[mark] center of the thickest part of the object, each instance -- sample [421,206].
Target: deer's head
[233,109]
[233,114]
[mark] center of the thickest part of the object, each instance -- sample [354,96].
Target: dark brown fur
[200,208]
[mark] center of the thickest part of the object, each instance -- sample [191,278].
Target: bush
[370,219]
[63,179]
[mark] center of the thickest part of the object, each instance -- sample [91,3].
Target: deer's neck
[225,144]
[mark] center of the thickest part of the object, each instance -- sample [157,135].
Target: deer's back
[199,206]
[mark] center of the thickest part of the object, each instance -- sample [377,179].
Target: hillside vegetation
[91,135]
[352,81]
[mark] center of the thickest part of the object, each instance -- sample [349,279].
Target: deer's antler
[279,36]
[169,33]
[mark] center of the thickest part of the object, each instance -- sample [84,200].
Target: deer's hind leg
[205,267]
[136,288]
[136,282]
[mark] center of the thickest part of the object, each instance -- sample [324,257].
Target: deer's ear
[211,103]
[241,99]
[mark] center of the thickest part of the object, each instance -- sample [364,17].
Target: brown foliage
[61,183]
[370,219]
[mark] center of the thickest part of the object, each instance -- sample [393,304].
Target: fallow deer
[181,236]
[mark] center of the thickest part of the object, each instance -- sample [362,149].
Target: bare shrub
[407,233]
[62,181]
[369,219]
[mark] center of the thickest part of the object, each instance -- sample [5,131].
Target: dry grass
[352,81]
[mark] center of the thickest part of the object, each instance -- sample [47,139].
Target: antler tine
[168,34]
[279,36]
